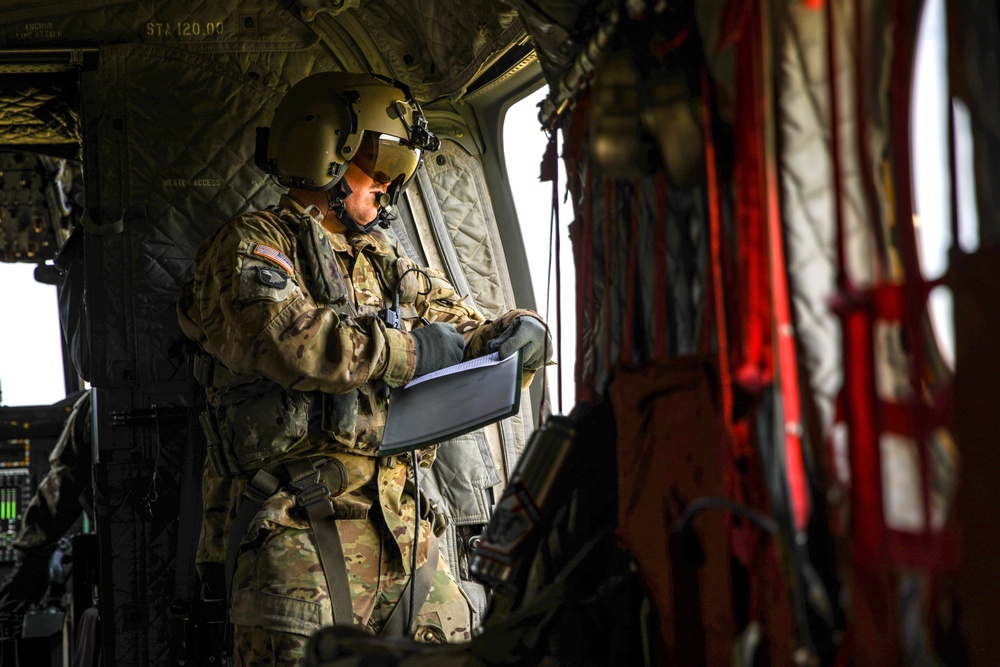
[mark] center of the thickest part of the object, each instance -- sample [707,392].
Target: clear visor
[385,159]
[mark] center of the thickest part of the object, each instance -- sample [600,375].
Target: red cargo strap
[787,361]
[752,358]
[857,320]
[715,254]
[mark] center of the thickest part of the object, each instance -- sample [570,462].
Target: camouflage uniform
[65,491]
[264,309]
[56,506]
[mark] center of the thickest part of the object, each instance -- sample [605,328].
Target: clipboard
[452,401]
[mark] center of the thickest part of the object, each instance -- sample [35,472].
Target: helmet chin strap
[335,199]
[385,211]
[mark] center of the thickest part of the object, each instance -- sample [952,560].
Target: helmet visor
[385,158]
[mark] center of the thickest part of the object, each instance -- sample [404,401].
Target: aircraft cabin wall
[166,102]
[725,188]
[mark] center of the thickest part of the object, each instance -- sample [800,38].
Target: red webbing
[860,411]
[915,295]
[715,256]
[798,487]
[753,354]
[660,50]
[857,320]
[795,472]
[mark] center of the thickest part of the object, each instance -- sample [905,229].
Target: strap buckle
[261,486]
[306,479]
[315,492]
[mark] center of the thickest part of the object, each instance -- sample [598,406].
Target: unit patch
[272,278]
[262,280]
[274,256]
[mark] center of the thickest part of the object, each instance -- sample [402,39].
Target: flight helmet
[330,119]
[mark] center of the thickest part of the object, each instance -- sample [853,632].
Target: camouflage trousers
[280,595]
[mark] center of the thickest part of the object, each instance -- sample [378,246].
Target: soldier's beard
[336,196]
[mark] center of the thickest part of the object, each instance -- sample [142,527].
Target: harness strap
[421,582]
[261,486]
[314,495]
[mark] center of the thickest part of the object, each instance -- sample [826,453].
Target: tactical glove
[528,334]
[438,345]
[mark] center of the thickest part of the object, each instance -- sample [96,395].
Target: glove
[528,334]
[438,345]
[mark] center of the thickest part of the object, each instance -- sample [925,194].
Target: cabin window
[31,355]
[932,190]
[524,145]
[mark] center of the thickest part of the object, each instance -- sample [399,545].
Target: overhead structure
[774,459]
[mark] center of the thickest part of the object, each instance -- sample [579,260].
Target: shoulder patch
[272,278]
[274,256]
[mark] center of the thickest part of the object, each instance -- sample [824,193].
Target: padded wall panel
[460,187]
[169,137]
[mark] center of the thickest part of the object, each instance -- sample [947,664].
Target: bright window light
[932,190]
[524,145]
[31,359]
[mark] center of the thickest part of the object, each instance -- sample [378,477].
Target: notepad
[452,401]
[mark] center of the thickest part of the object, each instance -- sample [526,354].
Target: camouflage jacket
[65,491]
[303,324]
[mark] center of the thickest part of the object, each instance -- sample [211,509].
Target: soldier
[62,496]
[290,306]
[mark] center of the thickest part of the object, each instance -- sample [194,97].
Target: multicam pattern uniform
[66,489]
[259,314]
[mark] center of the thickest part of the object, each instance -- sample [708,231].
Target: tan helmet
[331,118]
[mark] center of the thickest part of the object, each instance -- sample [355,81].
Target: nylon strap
[752,352]
[717,286]
[421,582]
[314,496]
[261,486]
